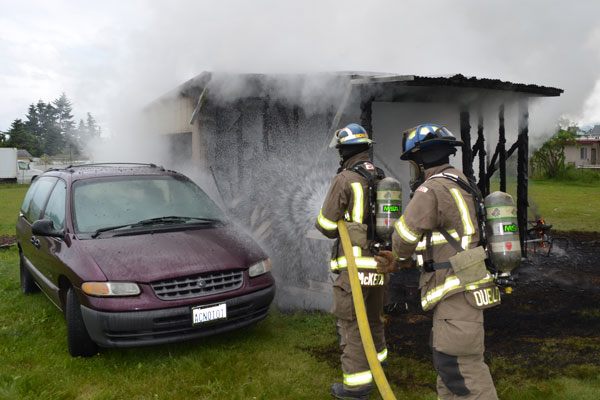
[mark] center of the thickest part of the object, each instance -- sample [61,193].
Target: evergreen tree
[80,133]
[50,129]
[66,126]
[33,126]
[20,137]
[52,138]
[93,129]
[89,130]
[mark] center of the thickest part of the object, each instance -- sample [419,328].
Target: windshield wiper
[97,232]
[173,219]
[154,221]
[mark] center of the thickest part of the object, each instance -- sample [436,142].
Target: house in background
[586,153]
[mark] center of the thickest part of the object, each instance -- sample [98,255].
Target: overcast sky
[113,56]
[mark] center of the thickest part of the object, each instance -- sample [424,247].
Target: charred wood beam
[366,115]
[522,173]
[465,136]
[266,126]
[283,117]
[483,182]
[296,119]
[366,118]
[502,148]
[478,145]
[493,167]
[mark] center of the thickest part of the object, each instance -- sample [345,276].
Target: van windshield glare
[115,201]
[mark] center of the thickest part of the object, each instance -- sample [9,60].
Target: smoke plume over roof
[112,55]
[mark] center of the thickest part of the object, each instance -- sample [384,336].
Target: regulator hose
[361,316]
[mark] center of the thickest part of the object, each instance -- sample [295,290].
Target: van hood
[149,257]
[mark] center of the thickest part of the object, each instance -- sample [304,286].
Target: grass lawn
[275,359]
[569,207]
[11,197]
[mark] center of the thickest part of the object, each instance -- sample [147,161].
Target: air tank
[502,230]
[389,208]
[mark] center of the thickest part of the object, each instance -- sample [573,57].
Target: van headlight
[110,289]
[260,268]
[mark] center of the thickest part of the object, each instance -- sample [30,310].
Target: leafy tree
[549,159]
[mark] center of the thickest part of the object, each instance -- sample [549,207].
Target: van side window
[41,191]
[55,209]
[28,196]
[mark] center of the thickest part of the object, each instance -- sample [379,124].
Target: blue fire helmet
[350,135]
[425,136]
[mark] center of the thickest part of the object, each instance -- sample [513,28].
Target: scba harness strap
[471,188]
[372,174]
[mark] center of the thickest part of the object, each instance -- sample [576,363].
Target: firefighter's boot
[340,392]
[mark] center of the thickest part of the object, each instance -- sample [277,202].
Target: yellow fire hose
[361,316]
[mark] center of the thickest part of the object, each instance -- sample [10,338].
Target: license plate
[204,314]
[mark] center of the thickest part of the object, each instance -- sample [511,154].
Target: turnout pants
[457,344]
[355,367]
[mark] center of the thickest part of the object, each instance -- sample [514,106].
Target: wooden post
[502,148]
[465,136]
[522,172]
[484,186]
[366,118]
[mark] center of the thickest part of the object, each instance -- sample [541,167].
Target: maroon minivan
[134,254]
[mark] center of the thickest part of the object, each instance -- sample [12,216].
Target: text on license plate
[205,314]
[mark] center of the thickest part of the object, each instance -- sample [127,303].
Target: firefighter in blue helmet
[440,224]
[349,199]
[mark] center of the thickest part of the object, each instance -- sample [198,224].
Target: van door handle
[35,241]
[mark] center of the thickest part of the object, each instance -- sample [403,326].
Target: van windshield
[103,203]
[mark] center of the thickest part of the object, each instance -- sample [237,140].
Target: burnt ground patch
[549,325]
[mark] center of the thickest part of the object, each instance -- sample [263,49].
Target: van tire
[78,340]
[28,285]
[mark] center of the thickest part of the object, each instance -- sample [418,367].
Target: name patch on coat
[484,298]
[370,278]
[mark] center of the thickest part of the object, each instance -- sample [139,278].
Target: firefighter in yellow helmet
[441,225]
[348,198]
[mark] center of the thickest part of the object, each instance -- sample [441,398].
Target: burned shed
[263,142]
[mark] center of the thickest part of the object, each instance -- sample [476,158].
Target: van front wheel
[78,340]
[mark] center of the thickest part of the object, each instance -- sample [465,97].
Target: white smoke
[115,56]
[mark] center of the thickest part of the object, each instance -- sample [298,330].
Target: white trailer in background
[8,164]
[14,170]
[26,174]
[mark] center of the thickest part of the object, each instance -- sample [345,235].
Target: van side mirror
[45,227]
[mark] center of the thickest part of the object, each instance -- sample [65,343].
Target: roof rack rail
[151,165]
